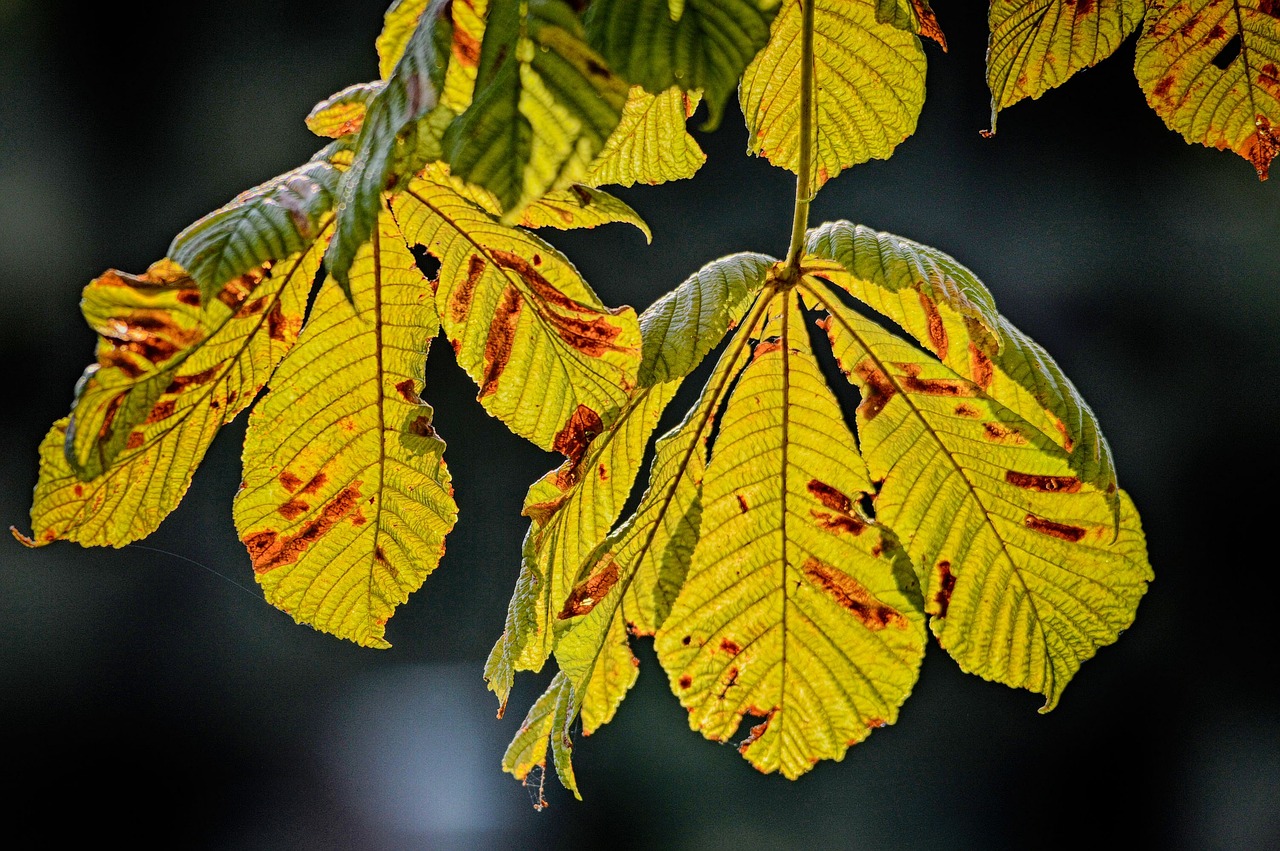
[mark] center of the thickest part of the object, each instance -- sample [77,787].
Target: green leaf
[392,143]
[550,360]
[951,313]
[797,608]
[1209,69]
[346,499]
[342,113]
[1023,567]
[705,48]
[1036,45]
[269,222]
[169,374]
[544,105]
[868,81]
[650,144]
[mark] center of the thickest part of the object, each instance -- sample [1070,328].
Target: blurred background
[149,692]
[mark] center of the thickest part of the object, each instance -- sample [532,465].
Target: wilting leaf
[1037,44]
[1209,69]
[797,608]
[544,105]
[868,81]
[650,144]
[346,499]
[269,222]
[342,113]
[169,374]
[913,15]
[547,718]
[705,49]
[1023,567]
[551,361]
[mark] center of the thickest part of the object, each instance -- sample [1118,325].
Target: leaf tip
[26,541]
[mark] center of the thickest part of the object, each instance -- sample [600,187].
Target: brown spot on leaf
[1261,147]
[829,496]
[686,681]
[135,441]
[1047,484]
[252,308]
[407,392]
[963,410]
[79,490]
[981,370]
[502,333]
[937,386]
[1001,433]
[764,347]
[878,393]
[839,522]
[191,298]
[572,440]
[466,48]
[946,582]
[317,482]
[590,591]
[1162,88]
[162,411]
[742,502]
[182,382]
[728,645]
[685,641]
[460,303]
[1054,529]
[289,481]
[853,596]
[268,550]
[421,426]
[929,23]
[293,509]
[589,331]
[937,330]
[279,327]
[604,473]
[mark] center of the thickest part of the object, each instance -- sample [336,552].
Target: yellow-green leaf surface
[549,358]
[953,315]
[868,81]
[398,24]
[342,113]
[913,15]
[1209,69]
[704,49]
[650,144]
[547,716]
[464,53]
[1036,45]
[797,609]
[346,499]
[169,375]
[1023,567]
[544,105]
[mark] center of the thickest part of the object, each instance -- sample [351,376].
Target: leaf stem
[804,171]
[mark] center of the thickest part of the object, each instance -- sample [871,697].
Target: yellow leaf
[651,143]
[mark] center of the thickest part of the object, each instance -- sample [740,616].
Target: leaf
[549,359]
[573,508]
[269,222]
[544,105]
[953,315]
[1036,45]
[342,113]
[1209,69]
[1023,570]
[528,750]
[346,499]
[704,48]
[911,15]
[464,54]
[868,80]
[169,375]
[796,609]
[650,144]
[392,143]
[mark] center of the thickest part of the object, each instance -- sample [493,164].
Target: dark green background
[143,695]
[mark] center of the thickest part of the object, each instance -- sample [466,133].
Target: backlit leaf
[913,15]
[797,609]
[346,498]
[1209,69]
[464,53]
[650,144]
[342,113]
[868,80]
[551,361]
[169,375]
[1037,44]
[544,105]
[705,49]
[1023,569]
[542,726]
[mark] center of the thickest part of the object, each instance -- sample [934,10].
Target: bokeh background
[149,693]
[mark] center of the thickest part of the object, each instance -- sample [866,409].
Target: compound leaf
[346,499]
[868,81]
[1209,69]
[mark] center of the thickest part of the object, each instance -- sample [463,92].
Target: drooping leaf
[169,374]
[1036,45]
[953,315]
[346,499]
[704,49]
[913,15]
[541,726]
[1023,567]
[342,113]
[464,54]
[868,88]
[544,105]
[397,136]
[1209,69]
[269,222]
[650,144]
[797,609]
[551,361]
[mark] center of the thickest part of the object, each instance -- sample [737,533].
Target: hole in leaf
[1229,52]
[427,264]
